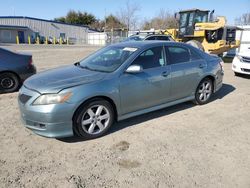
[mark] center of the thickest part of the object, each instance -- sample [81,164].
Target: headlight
[239,57]
[52,98]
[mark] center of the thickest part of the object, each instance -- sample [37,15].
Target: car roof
[148,43]
[149,34]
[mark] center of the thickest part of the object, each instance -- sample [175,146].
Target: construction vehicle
[198,28]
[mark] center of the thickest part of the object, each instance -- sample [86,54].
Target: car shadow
[246,76]
[224,91]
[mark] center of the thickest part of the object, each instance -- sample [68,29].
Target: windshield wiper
[83,67]
[86,67]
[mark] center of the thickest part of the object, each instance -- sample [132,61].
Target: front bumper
[46,120]
[240,67]
[219,80]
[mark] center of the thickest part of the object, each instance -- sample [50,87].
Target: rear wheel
[9,82]
[204,91]
[196,44]
[93,119]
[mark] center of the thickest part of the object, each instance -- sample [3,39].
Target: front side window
[183,19]
[151,58]
[107,59]
[178,55]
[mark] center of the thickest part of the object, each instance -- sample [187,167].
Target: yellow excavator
[199,29]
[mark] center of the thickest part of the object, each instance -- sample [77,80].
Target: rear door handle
[165,74]
[201,66]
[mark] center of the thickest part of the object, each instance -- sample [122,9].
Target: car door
[149,87]
[186,70]
[4,60]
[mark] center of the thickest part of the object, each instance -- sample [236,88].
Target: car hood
[245,53]
[55,80]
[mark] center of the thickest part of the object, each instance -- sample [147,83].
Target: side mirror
[134,69]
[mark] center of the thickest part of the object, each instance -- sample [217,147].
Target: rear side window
[178,55]
[194,55]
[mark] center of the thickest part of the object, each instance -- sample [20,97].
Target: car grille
[24,98]
[246,59]
[246,70]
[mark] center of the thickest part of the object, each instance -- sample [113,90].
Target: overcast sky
[49,9]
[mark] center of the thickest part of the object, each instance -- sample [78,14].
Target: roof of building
[38,19]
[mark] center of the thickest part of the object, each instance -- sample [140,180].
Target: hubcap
[6,83]
[95,119]
[205,91]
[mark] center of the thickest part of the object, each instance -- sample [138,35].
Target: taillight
[30,61]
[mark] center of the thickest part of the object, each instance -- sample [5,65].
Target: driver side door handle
[201,66]
[165,74]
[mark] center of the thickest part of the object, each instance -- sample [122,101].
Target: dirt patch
[121,146]
[126,163]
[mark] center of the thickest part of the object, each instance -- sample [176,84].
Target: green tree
[113,22]
[81,18]
[60,19]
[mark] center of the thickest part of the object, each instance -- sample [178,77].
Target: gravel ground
[181,146]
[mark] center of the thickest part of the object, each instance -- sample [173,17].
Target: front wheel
[9,82]
[93,119]
[204,91]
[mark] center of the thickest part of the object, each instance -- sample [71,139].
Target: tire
[204,91]
[9,82]
[196,44]
[93,119]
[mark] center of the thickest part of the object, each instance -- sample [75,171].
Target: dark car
[14,69]
[143,36]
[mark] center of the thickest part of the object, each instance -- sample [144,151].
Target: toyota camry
[115,83]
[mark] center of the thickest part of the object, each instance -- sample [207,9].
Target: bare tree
[128,15]
[243,20]
[163,20]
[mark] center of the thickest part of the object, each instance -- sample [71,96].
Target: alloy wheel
[205,91]
[95,119]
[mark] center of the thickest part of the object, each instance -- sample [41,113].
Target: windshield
[134,38]
[107,59]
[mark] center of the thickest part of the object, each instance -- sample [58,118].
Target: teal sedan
[115,83]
